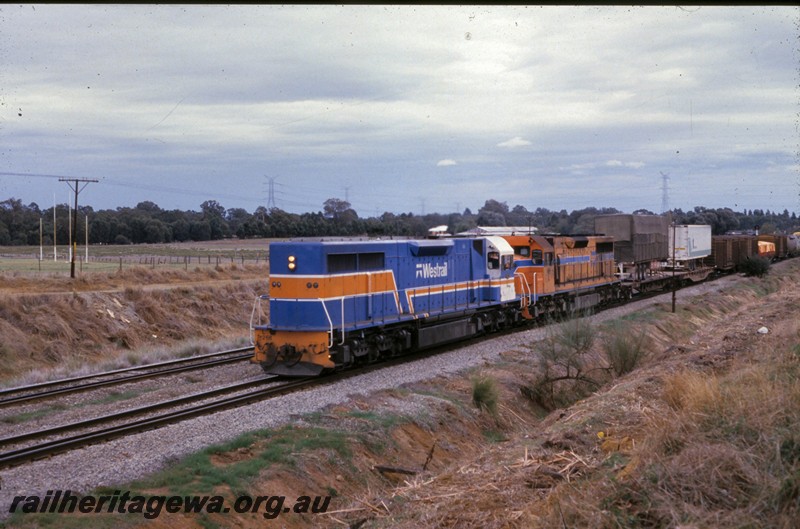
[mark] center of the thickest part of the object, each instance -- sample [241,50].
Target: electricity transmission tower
[664,192]
[271,199]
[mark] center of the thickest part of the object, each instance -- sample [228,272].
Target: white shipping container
[692,241]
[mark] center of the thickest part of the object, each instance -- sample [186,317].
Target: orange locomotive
[560,273]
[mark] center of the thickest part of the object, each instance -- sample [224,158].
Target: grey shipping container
[637,238]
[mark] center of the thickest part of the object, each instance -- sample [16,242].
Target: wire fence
[25,262]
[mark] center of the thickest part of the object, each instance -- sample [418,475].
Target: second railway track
[132,425]
[15,456]
[43,390]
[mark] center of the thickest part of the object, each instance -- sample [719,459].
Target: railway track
[20,394]
[133,425]
[11,456]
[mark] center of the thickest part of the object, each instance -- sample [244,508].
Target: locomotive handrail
[342,342]
[330,323]
[525,291]
[256,303]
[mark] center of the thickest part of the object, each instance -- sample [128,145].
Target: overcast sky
[401,108]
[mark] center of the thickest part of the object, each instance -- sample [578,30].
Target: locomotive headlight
[292,263]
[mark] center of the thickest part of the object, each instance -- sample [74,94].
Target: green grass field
[107,258]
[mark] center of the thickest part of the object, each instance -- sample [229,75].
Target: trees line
[148,223]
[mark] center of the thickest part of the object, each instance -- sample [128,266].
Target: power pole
[77,185]
[674,284]
[55,240]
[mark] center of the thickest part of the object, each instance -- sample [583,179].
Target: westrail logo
[430,270]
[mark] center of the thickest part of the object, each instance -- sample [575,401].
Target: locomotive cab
[533,258]
[500,264]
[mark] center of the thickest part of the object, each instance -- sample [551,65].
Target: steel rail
[55,430]
[120,380]
[21,455]
[122,370]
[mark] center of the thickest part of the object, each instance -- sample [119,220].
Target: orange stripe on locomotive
[332,286]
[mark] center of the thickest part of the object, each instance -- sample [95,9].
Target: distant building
[438,231]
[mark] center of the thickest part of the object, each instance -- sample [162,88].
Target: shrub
[755,266]
[625,348]
[484,394]
[565,364]
[564,347]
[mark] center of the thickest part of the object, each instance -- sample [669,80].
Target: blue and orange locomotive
[336,304]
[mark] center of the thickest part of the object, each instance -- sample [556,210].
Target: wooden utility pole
[77,185]
[674,284]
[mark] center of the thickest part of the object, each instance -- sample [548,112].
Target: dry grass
[721,448]
[692,392]
[47,335]
[705,433]
[15,283]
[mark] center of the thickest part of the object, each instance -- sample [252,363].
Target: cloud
[610,163]
[381,91]
[514,142]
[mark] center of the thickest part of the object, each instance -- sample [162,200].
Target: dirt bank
[49,326]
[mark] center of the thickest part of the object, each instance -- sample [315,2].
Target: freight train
[337,304]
